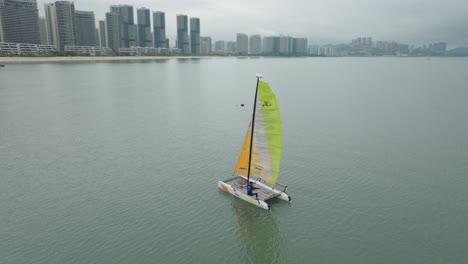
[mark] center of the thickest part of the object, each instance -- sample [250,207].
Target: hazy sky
[321,21]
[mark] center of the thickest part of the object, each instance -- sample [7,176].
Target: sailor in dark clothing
[250,189]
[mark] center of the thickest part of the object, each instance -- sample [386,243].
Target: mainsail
[266,145]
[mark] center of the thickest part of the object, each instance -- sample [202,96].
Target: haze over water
[119,162]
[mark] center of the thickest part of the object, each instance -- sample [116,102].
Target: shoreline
[19,60]
[95,59]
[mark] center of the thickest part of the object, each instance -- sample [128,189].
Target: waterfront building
[86,28]
[89,50]
[231,47]
[66,24]
[439,47]
[102,33]
[51,24]
[327,50]
[299,46]
[195,35]
[144,36]
[113,22]
[97,37]
[369,42]
[182,34]
[268,47]
[314,50]
[220,46]
[1,27]
[242,43]
[391,47]
[271,45]
[362,42]
[403,49]
[132,35]
[285,45]
[205,43]
[25,48]
[43,31]
[19,21]
[159,30]
[379,45]
[128,30]
[138,51]
[255,44]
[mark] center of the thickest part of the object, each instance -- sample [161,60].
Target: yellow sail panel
[256,167]
[243,160]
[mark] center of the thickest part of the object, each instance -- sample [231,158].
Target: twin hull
[230,189]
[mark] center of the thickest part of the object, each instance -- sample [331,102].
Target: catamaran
[258,164]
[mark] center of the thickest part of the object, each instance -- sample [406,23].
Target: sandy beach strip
[7,60]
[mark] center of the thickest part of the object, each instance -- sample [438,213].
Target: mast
[253,124]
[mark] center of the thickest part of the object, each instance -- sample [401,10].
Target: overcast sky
[321,21]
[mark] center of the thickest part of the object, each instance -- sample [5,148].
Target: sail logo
[266,103]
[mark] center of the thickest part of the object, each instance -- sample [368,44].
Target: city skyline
[128,31]
[413,22]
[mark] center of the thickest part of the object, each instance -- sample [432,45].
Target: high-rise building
[231,47]
[271,45]
[102,33]
[380,45]
[314,50]
[403,49]
[440,47]
[361,42]
[43,31]
[1,27]
[299,46]
[255,44]
[66,24]
[145,39]
[113,22]
[51,24]
[86,28]
[195,35]
[205,43]
[132,35]
[220,47]
[242,43]
[369,42]
[327,50]
[182,34]
[268,45]
[97,37]
[19,21]
[159,30]
[128,31]
[285,45]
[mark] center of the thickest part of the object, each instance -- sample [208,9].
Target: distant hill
[460,51]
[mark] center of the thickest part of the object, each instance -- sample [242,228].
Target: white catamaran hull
[252,199]
[282,195]
[229,189]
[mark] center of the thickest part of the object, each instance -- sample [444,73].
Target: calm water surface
[118,162]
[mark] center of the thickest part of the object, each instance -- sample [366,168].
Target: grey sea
[119,162]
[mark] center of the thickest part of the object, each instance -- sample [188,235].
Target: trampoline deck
[240,184]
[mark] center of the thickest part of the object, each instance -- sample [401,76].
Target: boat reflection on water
[260,239]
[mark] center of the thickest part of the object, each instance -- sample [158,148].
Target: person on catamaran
[250,189]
